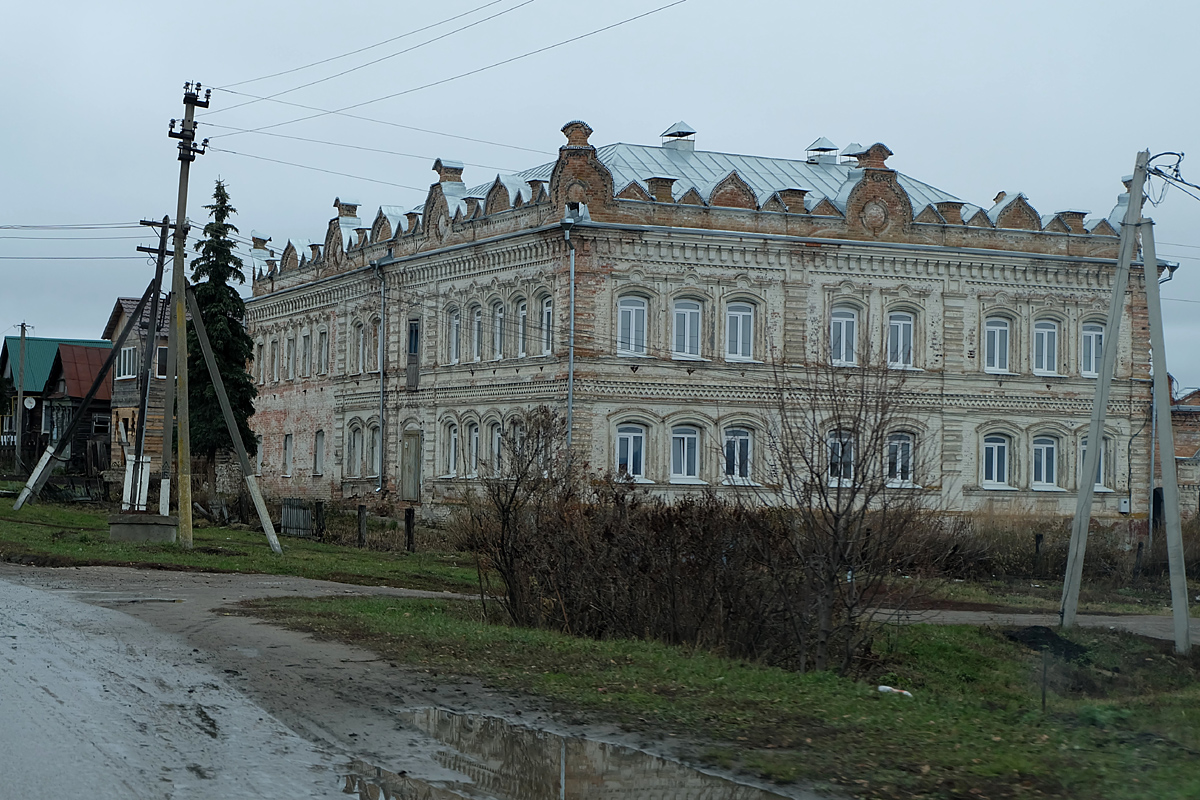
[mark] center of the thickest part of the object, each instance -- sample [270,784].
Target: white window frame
[472,450]
[451,450]
[898,460]
[522,325]
[127,367]
[477,334]
[843,336]
[1101,475]
[455,330]
[547,326]
[840,446]
[901,330]
[996,461]
[318,453]
[323,352]
[1045,347]
[497,447]
[739,332]
[685,329]
[631,448]
[738,455]
[685,454]
[1044,469]
[1091,350]
[631,326]
[997,341]
[498,331]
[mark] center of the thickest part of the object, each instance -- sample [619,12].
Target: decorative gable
[633,191]
[497,198]
[825,208]
[692,197]
[930,215]
[733,192]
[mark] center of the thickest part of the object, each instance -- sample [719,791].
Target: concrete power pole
[187,154]
[21,400]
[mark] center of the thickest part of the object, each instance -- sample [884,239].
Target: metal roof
[79,366]
[126,305]
[680,128]
[39,358]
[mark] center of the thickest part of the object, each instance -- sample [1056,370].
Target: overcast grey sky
[1052,99]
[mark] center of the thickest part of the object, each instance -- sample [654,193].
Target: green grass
[1123,723]
[56,535]
[1149,595]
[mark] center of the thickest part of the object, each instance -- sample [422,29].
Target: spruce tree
[224,316]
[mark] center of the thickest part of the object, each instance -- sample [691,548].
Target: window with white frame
[473,449]
[354,452]
[737,454]
[374,449]
[455,331]
[995,460]
[841,457]
[900,459]
[547,326]
[739,331]
[477,335]
[1083,444]
[127,366]
[497,331]
[522,323]
[1092,352]
[287,455]
[497,447]
[306,355]
[843,328]
[995,347]
[318,452]
[900,340]
[451,450]
[1045,462]
[686,331]
[1045,347]
[685,453]
[323,352]
[631,326]
[631,451]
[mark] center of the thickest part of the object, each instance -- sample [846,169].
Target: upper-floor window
[522,322]
[323,352]
[260,363]
[631,326]
[160,363]
[843,327]
[477,334]
[995,346]
[127,366]
[1045,462]
[739,331]
[306,355]
[737,454]
[900,340]
[455,331]
[497,331]
[686,339]
[358,345]
[631,448]
[900,459]
[375,343]
[1093,349]
[685,453]
[995,460]
[290,350]
[1045,347]
[547,325]
[274,360]
[841,457]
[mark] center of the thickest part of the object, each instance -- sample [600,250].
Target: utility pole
[21,401]
[187,154]
[149,356]
[1091,461]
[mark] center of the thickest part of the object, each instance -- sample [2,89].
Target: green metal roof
[39,357]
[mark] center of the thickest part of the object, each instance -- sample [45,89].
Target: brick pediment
[733,192]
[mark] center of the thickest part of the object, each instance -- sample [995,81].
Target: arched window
[685,453]
[354,452]
[995,460]
[843,328]
[522,323]
[631,326]
[498,331]
[473,450]
[686,332]
[455,336]
[995,345]
[1100,473]
[739,332]
[1045,347]
[547,326]
[900,340]
[374,448]
[631,450]
[375,344]
[358,351]
[900,459]
[1092,350]
[738,442]
[496,438]
[451,450]
[477,334]
[1045,462]
[841,458]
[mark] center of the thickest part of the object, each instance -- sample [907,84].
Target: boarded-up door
[410,467]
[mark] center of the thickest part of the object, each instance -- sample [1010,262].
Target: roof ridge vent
[679,136]
[822,151]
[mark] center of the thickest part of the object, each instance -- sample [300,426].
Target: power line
[364,49]
[376,61]
[314,169]
[69,258]
[77,227]
[70,238]
[476,71]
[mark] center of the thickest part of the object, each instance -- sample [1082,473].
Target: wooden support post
[410,524]
[362,526]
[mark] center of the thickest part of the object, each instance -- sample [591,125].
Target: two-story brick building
[391,356]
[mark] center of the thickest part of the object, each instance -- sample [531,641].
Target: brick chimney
[660,188]
[577,133]
[346,208]
[535,188]
[1074,220]
[316,251]
[258,241]
[874,157]
[448,171]
[951,211]
[793,199]
[413,219]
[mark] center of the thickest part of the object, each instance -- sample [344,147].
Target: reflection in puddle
[501,761]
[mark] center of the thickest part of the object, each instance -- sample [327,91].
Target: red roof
[80,366]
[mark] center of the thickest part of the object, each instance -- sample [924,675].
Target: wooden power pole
[187,154]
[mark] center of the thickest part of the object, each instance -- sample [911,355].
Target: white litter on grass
[890,690]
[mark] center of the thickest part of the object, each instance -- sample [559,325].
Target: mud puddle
[488,758]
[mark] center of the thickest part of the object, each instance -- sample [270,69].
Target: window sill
[1101,490]
[739,482]
[631,354]
[688,482]
[742,360]
[841,483]
[905,368]
[1048,374]
[639,479]
[902,485]
[687,357]
[844,364]
[1001,372]
[1047,488]
[998,487]
[448,477]
[125,377]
